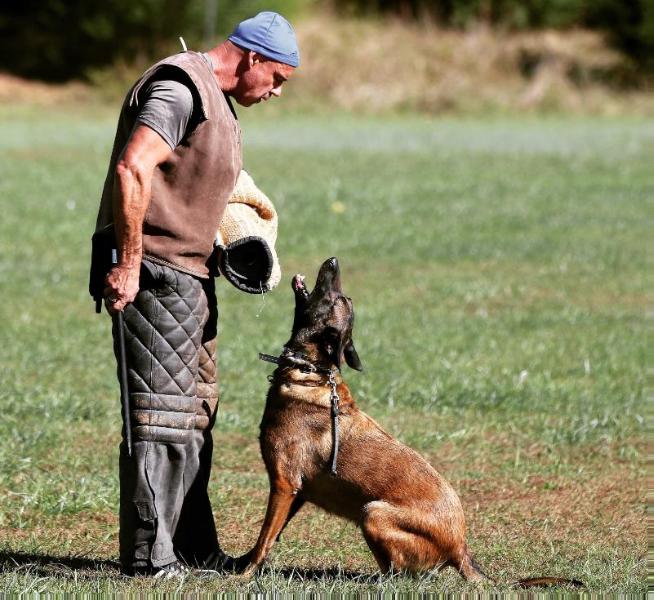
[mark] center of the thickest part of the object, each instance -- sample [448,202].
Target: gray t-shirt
[168,109]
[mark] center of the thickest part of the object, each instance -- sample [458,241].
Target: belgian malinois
[319,447]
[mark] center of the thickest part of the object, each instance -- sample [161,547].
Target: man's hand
[122,285]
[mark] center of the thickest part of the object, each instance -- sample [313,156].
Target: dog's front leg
[282,495]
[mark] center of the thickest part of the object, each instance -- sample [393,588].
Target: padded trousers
[170,338]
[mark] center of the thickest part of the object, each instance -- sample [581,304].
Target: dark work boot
[217,562]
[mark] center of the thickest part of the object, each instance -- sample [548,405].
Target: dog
[318,447]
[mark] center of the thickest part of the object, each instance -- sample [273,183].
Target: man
[175,161]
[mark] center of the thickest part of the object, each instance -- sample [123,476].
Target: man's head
[269,55]
[258,78]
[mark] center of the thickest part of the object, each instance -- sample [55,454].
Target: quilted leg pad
[171,351]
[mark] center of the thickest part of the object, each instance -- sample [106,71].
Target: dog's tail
[471,571]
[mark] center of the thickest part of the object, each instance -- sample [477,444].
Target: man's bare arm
[133,180]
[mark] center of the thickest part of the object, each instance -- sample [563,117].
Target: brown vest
[190,190]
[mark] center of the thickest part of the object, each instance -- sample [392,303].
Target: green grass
[499,274]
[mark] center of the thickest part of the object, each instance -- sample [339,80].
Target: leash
[333,397]
[308,367]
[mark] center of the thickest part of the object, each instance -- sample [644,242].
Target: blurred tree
[56,40]
[630,25]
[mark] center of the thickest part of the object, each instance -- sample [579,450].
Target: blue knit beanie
[269,34]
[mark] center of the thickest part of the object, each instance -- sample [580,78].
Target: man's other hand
[121,287]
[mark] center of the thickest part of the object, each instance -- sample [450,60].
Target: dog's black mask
[325,317]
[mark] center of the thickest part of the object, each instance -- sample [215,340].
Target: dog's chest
[290,421]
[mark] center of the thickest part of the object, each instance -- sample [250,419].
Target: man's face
[260,80]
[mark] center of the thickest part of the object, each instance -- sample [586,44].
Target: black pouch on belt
[102,243]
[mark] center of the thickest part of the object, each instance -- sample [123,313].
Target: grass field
[498,271]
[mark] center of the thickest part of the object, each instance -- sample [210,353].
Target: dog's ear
[351,357]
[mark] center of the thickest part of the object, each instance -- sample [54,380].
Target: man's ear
[351,357]
[256,58]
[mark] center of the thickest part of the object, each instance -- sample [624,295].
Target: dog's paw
[243,565]
[249,571]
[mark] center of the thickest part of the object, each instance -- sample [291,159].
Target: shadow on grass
[46,565]
[315,574]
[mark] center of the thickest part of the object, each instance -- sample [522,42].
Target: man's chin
[247,101]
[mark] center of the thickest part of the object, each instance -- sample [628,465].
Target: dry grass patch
[606,509]
[16,90]
[89,534]
[389,65]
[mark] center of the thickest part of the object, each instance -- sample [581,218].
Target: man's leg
[163,333]
[195,539]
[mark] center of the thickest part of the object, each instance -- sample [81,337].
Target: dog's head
[324,318]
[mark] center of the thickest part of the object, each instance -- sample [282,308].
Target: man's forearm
[133,188]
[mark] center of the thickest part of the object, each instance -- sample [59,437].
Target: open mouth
[299,286]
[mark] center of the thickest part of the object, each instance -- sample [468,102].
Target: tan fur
[409,514]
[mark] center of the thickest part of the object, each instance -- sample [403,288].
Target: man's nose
[276,91]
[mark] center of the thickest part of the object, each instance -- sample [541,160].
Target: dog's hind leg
[402,539]
[376,543]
